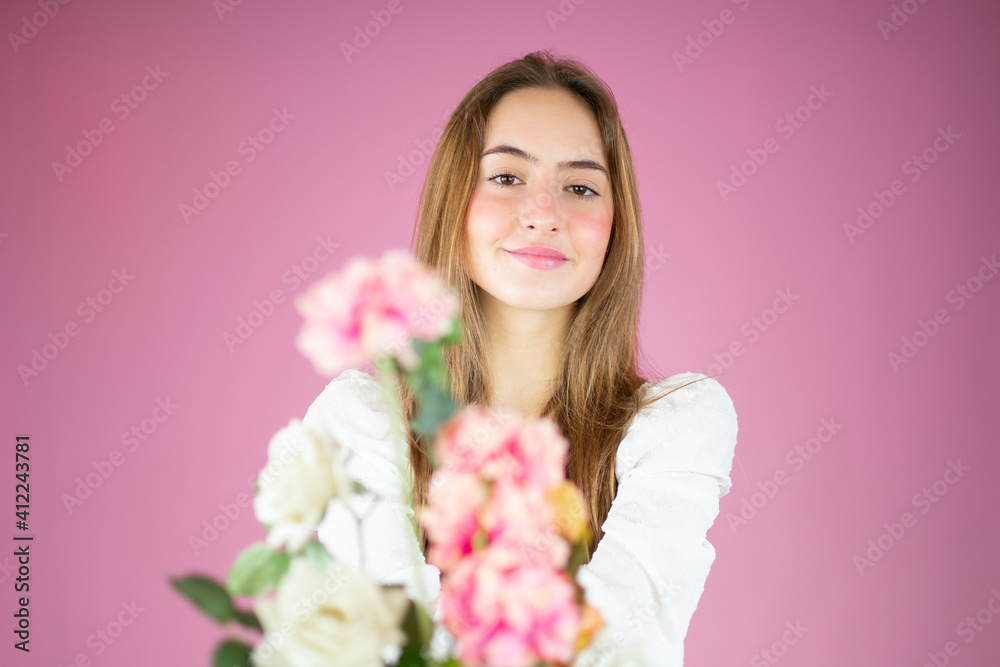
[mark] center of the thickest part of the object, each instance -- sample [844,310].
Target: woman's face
[543,184]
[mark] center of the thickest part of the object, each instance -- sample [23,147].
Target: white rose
[303,473]
[334,616]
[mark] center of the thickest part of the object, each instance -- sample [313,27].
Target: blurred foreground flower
[505,527]
[508,532]
[331,616]
[499,444]
[374,308]
[303,473]
[506,613]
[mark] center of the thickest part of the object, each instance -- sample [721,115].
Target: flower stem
[387,379]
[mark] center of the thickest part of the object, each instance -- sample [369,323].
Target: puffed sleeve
[649,571]
[352,410]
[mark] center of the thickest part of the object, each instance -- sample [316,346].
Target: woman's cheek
[482,214]
[476,223]
[592,234]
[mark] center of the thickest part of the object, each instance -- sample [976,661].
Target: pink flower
[451,517]
[370,309]
[499,444]
[520,518]
[491,520]
[507,614]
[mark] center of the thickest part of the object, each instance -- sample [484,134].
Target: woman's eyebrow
[562,166]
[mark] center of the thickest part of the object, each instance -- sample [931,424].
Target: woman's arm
[649,571]
[352,410]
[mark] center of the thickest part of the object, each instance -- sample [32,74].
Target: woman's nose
[540,209]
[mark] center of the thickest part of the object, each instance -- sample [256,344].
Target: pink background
[715,264]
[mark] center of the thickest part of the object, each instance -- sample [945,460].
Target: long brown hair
[595,396]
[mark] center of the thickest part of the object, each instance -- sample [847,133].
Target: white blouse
[649,571]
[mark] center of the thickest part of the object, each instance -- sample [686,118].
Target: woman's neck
[525,349]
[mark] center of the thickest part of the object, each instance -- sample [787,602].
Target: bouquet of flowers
[504,526]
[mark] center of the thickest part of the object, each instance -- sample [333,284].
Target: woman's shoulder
[352,386]
[684,388]
[690,426]
[351,407]
[352,410]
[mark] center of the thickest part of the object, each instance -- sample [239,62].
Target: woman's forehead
[543,124]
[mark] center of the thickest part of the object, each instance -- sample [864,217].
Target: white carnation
[303,473]
[334,616]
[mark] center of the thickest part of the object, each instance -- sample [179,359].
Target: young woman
[530,210]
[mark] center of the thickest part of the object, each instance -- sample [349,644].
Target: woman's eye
[501,177]
[581,191]
[505,180]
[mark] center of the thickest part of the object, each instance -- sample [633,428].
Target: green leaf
[207,595]
[454,333]
[434,408]
[258,569]
[429,353]
[231,653]
[411,657]
[317,554]
[248,619]
[420,347]
[450,662]
[578,556]
[415,615]
[387,364]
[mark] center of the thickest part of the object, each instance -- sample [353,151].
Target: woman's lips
[537,261]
